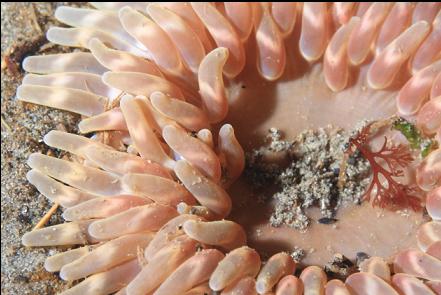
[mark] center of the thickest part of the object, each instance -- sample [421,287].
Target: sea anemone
[146,192]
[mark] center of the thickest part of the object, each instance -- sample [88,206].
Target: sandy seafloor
[22,127]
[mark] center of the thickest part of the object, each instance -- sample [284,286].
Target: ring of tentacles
[145,195]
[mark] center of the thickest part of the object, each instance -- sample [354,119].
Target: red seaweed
[386,164]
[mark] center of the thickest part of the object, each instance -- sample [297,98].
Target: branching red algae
[386,164]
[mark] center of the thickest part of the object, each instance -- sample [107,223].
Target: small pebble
[327,220]
[360,257]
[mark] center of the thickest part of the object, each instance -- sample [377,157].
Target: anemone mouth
[149,183]
[301,100]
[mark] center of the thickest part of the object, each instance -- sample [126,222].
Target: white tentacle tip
[124,11]
[26,240]
[26,63]
[19,92]
[94,43]
[64,274]
[226,129]
[29,175]
[61,10]
[32,158]
[47,138]
[52,33]
[261,287]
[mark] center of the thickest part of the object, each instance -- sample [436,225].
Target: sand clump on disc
[303,173]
